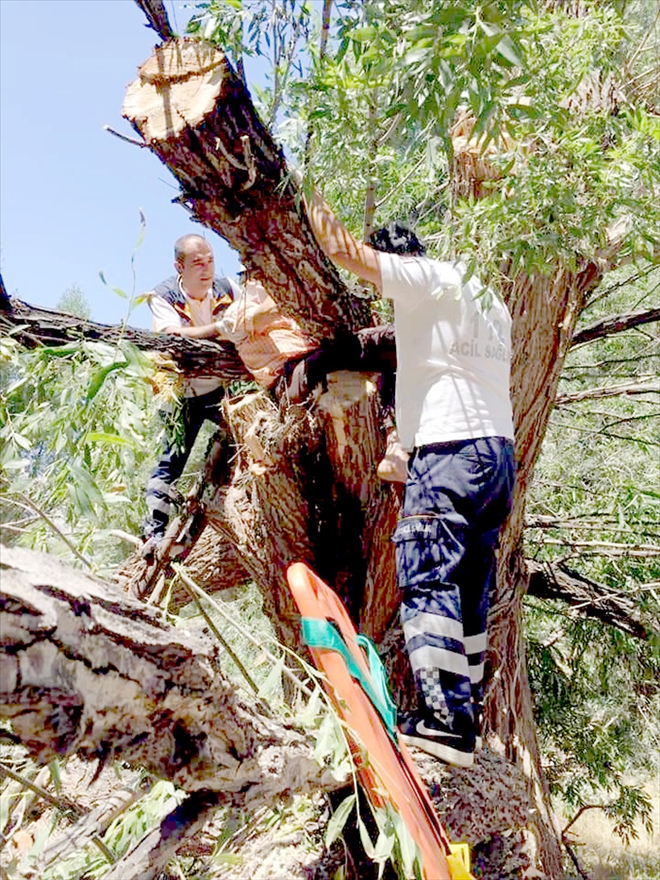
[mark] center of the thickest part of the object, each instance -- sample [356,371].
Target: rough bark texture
[156,14]
[85,670]
[615,324]
[196,115]
[589,598]
[544,312]
[300,490]
[38,326]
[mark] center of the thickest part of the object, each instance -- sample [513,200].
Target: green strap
[318,633]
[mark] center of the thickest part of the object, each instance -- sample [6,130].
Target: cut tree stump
[196,115]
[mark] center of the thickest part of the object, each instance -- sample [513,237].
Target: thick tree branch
[615,324]
[549,581]
[196,115]
[38,326]
[157,17]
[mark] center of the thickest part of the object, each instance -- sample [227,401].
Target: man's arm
[202,332]
[340,246]
[166,320]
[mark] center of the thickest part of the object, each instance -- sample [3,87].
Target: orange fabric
[273,340]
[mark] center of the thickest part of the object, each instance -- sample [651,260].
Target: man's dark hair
[395,238]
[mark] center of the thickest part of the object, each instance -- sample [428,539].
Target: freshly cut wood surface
[196,115]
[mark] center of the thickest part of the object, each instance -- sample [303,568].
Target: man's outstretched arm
[340,246]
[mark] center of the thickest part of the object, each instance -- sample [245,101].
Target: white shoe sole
[440,750]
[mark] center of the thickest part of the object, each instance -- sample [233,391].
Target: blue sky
[70,193]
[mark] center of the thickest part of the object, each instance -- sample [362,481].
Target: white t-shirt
[453,341]
[163,315]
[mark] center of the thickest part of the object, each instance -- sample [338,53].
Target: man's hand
[206,331]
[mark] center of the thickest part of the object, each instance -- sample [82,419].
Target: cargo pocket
[426,550]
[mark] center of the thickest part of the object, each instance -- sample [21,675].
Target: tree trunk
[234,189]
[85,670]
[195,114]
[544,312]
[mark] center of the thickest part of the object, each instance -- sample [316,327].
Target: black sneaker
[434,737]
[150,547]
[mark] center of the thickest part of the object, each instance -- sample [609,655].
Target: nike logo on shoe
[420,727]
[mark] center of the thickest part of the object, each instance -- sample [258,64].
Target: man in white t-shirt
[189,304]
[453,413]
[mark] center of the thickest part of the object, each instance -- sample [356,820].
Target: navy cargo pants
[457,498]
[174,455]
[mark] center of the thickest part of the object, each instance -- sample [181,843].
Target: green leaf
[99,377]
[508,49]
[384,847]
[309,714]
[60,350]
[116,290]
[366,840]
[338,819]
[55,774]
[364,34]
[273,682]
[14,464]
[141,234]
[21,441]
[407,845]
[113,439]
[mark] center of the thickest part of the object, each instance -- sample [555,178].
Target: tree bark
[615,324]
[544,312]
[589,598]
[156,14]
[85,670]
[196,115]
[33,326]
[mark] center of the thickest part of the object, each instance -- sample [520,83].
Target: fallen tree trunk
[85,670]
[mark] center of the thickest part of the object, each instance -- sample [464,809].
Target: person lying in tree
[281,357]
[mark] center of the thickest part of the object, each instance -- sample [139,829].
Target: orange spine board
[389,774]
